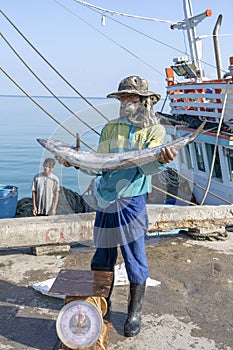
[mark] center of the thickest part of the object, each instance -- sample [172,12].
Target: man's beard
[139,114]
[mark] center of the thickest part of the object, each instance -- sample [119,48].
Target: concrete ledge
[62,229]
[202,217]
[46,230]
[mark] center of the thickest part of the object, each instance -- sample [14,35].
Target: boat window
[188,157]
[230,163]
[199,156]
[181,155]
[217,166]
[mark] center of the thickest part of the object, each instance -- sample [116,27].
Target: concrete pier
[190,309]
[62,229]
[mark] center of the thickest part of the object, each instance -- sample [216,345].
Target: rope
[44,110]
[172,195]
[109,38]
[83,96]
[164,102]
[56,97]
[70,132]
[54,69]
[169,177]
[95,8]
[214,35]
[215,146]
[189,180]
[123,14]
[201,187]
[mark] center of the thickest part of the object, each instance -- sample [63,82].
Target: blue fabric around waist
[122,222]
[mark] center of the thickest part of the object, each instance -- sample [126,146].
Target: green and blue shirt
[120,136]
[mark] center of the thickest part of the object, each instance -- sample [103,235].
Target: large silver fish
[113,161]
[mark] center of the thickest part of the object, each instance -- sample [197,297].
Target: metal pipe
[217,48]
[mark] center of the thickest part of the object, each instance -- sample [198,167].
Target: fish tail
[197,132]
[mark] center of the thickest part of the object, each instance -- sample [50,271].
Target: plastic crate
[8,201]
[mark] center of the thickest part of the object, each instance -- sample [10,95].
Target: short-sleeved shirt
[45,187]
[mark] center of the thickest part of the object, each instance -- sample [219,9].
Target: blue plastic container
[8,201]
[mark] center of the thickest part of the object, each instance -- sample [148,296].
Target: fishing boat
[207,163]
[202,173]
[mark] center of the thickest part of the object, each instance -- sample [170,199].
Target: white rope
[202,188]
[212,35]
[123,14]
[215,146]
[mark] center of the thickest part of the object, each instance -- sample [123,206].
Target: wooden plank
[51,249]
[82,283]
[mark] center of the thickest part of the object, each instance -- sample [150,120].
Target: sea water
[22,122]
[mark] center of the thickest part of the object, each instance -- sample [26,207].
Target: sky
[94,58]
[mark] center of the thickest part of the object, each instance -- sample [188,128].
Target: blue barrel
[8,201]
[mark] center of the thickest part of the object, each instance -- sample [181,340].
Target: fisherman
[121,217]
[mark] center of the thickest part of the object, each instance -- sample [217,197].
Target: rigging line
[216,145]
[153,39]
[109,38]
[172,195]
[162,43]
[214,35]
[44,110]
[56,97]
[53,68]
[164,102]
[199,186]
[123,14]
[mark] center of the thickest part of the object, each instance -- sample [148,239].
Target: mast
[189,24]
[194,42]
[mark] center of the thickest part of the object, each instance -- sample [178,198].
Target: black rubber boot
[133,323]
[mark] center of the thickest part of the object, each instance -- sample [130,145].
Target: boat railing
[203,100]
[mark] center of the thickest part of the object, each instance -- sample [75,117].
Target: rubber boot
[133,323]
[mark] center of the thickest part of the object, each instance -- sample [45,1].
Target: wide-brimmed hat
[134,85]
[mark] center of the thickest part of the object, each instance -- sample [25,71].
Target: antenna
[189,24]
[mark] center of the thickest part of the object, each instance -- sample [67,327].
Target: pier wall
[62,229]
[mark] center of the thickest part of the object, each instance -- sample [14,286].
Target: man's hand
[53,211]
[168,154]
[34,210]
